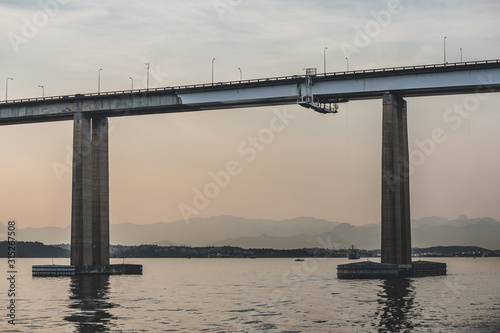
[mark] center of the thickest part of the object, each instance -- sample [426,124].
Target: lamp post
[444,50]
[7,87]
[43,91]
[213,59]
[132,80]
[347,62]
[461,60]
[147,69]
[241,74]
[99,81]
[324,59]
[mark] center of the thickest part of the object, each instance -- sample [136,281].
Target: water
[245,295]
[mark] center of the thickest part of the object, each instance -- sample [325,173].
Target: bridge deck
[408,81]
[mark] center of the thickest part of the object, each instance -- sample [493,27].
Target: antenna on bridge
[308,102]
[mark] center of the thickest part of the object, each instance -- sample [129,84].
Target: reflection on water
[396,300]
[90,303]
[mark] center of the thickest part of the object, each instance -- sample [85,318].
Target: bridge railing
[225,84]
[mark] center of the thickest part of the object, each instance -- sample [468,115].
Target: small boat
[352,253]
[299,259]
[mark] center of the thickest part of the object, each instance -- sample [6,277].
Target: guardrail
[224,84]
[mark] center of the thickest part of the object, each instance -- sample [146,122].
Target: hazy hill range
[203,231]
[426,232]
[286,234]
[196,232]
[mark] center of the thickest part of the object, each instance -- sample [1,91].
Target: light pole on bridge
[324,59]
[99,81]
[147,68]
[241,73]
[43,91]
[213,59]
[347,62]
[7,87]
[444,50]
[132,80]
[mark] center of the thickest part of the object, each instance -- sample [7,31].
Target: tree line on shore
[40,250]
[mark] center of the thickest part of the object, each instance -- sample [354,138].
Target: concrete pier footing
[374,270]
[367,270]
[61,270]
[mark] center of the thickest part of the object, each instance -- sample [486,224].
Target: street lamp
[147,68]
[241,74]
[7,86]
[461,55]
[99,80]
[324,59]
[444,50]
[213,59]
[347,61]
[131,79]
[43,90]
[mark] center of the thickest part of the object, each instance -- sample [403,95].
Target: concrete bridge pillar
[396,232]
[90,193]
[100,194]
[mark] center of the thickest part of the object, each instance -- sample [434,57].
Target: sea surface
[254,295]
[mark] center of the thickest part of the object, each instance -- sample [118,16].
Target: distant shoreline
[40,250]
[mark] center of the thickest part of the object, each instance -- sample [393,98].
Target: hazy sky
[326,166]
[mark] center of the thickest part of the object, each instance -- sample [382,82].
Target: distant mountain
[286,234]
[203,231]
[46,235]
[164,243]
[427,232]
[342,236]
[430,220]
[479,232]
[196,232]
[461,221]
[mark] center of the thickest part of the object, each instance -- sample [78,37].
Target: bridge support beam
[90,193]
[396,232]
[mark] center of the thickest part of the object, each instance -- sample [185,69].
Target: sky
[324,166]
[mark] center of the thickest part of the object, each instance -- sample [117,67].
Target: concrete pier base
[61,270]
[427,268]
[375,270]
[367,270]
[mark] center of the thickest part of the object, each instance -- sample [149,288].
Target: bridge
[318,92]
